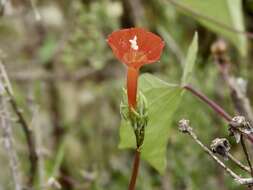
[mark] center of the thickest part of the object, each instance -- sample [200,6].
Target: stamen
[133,43]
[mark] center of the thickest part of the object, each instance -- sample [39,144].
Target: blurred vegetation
[69,86]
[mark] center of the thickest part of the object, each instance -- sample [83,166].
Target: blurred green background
[69,85]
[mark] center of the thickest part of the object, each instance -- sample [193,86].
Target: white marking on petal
[133,43]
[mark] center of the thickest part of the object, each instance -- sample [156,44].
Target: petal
[149,46]
[155,53]
[152,47]
[119,43]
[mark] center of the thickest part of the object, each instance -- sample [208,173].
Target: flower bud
[137,117]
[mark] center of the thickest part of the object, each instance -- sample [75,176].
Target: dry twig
[25,127]
[8,143]
[184,126]
[238,163]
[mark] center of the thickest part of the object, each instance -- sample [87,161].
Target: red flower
[135,47]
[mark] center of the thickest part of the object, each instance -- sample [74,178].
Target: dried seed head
[238,121]
[220,146]
[184,126]
[239,125]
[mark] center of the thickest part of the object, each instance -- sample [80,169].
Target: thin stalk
[216,159]
[237,178]
[218,109]
[185,128]
[246,154]
[9,144]
[135,170]
[33,157]
[238,163]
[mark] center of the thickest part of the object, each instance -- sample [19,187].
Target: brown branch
[25,127]
[29,137]
[218,109]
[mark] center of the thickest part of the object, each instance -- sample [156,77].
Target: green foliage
[57,161]
[47,50]
[220,16]
[190,60]
[163,100]
[88,108]
[94,23]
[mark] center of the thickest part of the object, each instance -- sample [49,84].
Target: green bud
[138,117]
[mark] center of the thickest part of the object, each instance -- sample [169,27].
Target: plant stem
[218,109]
[135,170]
[216,159]
[243,181]
[33,157]
[246,154]
[237,162]
[9,143]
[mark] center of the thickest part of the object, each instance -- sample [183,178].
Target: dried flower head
[184,126]
[220,146]
[238,126]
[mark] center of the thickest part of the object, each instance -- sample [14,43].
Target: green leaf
[53,166]
[163,100]
[48,49]
[190,60]
[58,159]
[221,16]
[126,133]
